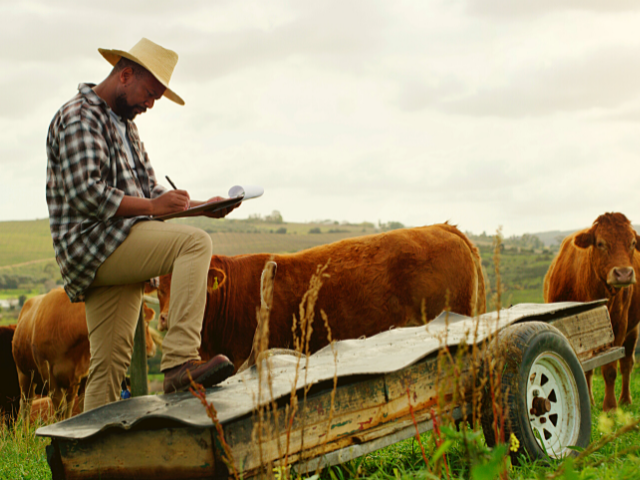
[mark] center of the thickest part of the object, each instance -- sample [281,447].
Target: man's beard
[123,108]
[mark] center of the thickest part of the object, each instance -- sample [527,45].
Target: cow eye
[600,244]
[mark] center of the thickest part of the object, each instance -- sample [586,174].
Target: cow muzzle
[621,277]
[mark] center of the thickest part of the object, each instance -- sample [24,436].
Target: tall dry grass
[465,378]
[459,381]
[271,422]
[267,426]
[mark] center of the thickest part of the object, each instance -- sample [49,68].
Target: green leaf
[441,450]
[493,468]
[569,472]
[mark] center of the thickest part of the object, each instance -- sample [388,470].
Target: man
[102,196]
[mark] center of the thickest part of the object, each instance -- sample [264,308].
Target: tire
[539,362]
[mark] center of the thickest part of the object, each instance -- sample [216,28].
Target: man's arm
[82,153]
[169,202]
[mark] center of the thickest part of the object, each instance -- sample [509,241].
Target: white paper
[250,191]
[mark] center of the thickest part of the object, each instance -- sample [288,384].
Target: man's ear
[126,75]
[584,240]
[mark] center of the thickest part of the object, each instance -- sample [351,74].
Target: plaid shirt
[88,174]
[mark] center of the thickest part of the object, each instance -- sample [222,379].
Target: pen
[170,182]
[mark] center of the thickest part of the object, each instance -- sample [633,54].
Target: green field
[25,241]
[521,272]
[28,267]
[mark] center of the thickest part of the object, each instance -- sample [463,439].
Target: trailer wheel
[544,391]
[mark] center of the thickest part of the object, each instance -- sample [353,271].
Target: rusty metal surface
[238,396]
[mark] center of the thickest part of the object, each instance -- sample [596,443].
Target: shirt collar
[86,89]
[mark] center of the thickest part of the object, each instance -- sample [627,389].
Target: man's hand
[218,213]
[170,202]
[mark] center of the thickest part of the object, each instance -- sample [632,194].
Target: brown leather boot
[206,373]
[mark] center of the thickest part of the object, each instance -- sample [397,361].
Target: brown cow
[42,408]
[597,263]
[374,282]
[51,349]
[9,386]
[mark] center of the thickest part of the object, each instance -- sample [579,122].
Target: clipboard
[237,194]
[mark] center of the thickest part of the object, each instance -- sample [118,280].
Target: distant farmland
[233,243]
[27,262]
[30,241]
[25,241]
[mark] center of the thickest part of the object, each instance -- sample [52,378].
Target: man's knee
[201,242]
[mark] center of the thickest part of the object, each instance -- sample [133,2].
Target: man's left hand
[220,213]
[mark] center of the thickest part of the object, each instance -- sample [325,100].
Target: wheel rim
[551,378]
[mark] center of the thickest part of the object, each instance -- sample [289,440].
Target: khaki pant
[114,299]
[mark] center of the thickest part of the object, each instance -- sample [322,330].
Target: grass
[404,459]
[22,454]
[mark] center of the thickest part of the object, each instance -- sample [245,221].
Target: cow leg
[626,366]
[609,373]
[58,397]
[589,377]
[71,395]
[27,392]
[79,401]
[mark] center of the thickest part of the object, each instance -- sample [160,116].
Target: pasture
[29,264]
[22,454]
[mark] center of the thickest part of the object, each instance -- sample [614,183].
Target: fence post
[138,369]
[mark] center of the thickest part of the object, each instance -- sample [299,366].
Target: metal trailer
[388,387]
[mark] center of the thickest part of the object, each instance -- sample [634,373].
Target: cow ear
[584,240]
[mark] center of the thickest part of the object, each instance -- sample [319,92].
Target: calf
[601,262]
[398,278]
[51,349]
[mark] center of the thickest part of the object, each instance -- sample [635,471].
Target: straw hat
[159,61]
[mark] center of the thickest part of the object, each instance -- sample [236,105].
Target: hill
[555,237]
[28,267]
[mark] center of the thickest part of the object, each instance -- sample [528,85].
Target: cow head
[613,243]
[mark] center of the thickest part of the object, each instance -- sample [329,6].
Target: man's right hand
[170,202]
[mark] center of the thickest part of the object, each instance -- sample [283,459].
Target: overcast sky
[485,113]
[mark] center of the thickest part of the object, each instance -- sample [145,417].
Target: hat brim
[112,56]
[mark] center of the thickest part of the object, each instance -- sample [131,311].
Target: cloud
[363,110]
[324,32]
[605,79]
[524,9]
